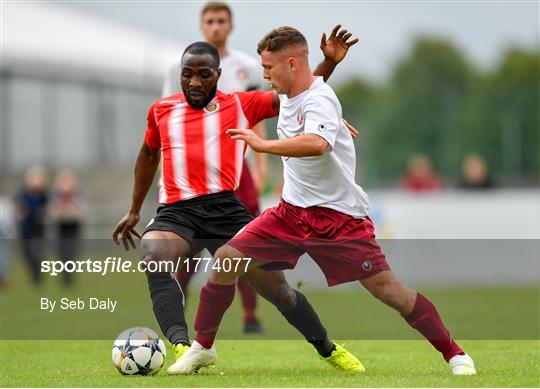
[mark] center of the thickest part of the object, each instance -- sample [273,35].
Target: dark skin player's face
[199,76]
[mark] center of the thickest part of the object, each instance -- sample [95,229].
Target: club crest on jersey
[366,266]
[211,107]
[322,127]
[299,118]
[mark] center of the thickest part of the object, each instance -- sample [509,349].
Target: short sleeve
[151,137]
[322,117]
[257,106]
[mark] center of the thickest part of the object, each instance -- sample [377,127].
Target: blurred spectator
[68,209]
[31,204]
[420,176]
[7,227]
[475,173]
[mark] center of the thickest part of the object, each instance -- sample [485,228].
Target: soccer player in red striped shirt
[200,170]
[240,72]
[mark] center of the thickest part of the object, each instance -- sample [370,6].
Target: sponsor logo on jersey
[170,101]
[150,223]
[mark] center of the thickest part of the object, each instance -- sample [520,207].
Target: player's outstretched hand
[354,132]
[124,230]
[335,48]
[248,136]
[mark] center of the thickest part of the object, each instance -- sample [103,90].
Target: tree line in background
[438,104]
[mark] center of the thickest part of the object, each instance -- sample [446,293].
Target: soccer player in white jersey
[323,212]
[240,72]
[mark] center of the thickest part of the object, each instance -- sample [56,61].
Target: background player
[322,212]
[239,72]
[201,166]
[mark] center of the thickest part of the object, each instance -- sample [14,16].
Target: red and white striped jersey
[198,157]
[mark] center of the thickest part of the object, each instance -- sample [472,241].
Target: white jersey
[327,180]
[239,72]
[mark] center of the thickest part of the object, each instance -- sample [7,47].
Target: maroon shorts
[343,247]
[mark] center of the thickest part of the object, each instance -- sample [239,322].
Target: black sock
[167,299]
[324,347]
[304,318]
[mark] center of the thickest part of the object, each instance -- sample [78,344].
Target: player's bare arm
[145,170]
[334,49]
[308,145]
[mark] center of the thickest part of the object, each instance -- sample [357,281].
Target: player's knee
[148,249]
[224,252]
[229,252]
[157,257]
[221,277]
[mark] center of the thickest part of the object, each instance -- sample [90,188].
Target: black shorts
[207,221]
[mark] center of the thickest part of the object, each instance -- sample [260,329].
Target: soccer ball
[138,351]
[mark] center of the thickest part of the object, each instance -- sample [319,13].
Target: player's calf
[421,315]
[216,297]
[165,292]
[273,286]
[387,288]
[294,307]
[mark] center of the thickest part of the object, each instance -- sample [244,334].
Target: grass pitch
[499,325]
[266,363]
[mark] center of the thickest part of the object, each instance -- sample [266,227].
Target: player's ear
[292,63]
[218,73]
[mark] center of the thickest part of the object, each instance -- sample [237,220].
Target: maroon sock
[249,300]
[214,301]
[425,319]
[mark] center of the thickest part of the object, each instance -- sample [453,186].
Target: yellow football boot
[179,350]
[341,359]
